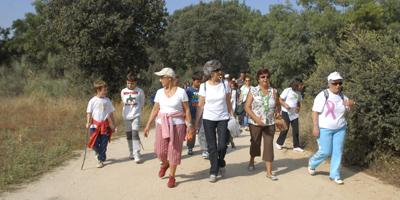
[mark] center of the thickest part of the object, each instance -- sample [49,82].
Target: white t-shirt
[100,108]
[171,104]
[244,90]
[133,102]
[331,113]
[215,107]
[292,98]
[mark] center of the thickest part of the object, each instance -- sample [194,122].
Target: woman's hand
[316,131]
[259,121]
[297,109]
[348,102]
[190,134]
[146,131]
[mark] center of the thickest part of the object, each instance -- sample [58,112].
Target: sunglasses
[264,76]
[337,83]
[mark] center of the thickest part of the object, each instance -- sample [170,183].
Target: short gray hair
[210,66]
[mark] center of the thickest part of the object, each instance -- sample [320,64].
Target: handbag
[239,109]
[280,124]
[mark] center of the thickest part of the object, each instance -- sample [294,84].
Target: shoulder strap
[326,94]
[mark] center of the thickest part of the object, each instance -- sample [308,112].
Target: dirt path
[123,179]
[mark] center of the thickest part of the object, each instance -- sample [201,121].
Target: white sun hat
[334,76]
[166,72]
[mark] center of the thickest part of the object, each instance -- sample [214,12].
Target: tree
[203,32]
[106,38]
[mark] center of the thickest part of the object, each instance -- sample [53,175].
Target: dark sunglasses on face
[263,77]
[337,83]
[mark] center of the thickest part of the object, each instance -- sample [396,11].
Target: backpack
[326,94]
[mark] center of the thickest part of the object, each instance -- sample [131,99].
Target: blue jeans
[330,143]
[100,146]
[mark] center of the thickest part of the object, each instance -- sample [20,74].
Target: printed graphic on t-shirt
[330,109]
[195,99]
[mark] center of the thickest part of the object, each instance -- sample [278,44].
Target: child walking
[100,121]
[133,100]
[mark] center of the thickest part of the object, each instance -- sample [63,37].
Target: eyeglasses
[264,76]
[337,83]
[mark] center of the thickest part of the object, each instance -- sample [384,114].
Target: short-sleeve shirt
[215,107]
[171,104]
[244,90]
[193,95]
[331,111]
[100,108]
[133,102]
[263,105]
[292,98]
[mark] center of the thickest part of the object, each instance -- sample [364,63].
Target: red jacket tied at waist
[101,128]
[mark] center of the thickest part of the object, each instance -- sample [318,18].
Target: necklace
[265,99]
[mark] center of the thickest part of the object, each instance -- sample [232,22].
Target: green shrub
[370,64]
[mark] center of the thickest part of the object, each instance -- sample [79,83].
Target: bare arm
[152,116]
[277,104]
[282,102]
[188,121]
[229,103]
[315,124]
[199,112]
[88,120]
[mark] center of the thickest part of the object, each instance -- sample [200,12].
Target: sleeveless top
[263,105]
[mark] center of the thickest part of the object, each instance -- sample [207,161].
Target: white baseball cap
[226,76]
[334,76]
[166,71]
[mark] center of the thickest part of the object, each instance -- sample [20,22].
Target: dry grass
[37,134]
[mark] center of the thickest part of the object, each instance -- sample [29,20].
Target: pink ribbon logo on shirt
[331,107]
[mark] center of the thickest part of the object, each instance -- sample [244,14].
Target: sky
[11,10]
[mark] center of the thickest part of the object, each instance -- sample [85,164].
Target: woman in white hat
[330,125]
[173,122]
[216,108]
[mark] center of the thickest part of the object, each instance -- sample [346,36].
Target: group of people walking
[205,108]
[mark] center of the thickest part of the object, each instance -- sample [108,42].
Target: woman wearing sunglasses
[330,125]
[262,106]
[216,108]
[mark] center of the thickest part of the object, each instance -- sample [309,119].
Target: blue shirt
[193,95]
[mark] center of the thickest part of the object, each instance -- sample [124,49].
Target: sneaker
[222,172]
[311,171]
[131,156]
[246,128]
[278,146]
[138,157]
[213,178]
[298,149]
[272,177]
[190,152]
[251,168]
[204,154]
[100,164]
[171,182]
[338,181]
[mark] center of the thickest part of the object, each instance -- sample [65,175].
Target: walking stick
[85,148]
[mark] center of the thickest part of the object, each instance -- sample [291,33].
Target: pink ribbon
[331,108]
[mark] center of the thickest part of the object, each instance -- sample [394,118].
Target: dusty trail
[123,179]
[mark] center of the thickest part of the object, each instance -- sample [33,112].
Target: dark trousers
[100,146]
[295,131]
[217,137]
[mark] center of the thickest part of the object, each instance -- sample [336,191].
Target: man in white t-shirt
[290,100]
[133,100]
[330,125]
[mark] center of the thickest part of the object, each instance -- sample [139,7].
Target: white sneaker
[311,171]
[100,164]
[338,181]
[137,157]
[278,146]
[298,149]
[204,154]
[213,178]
